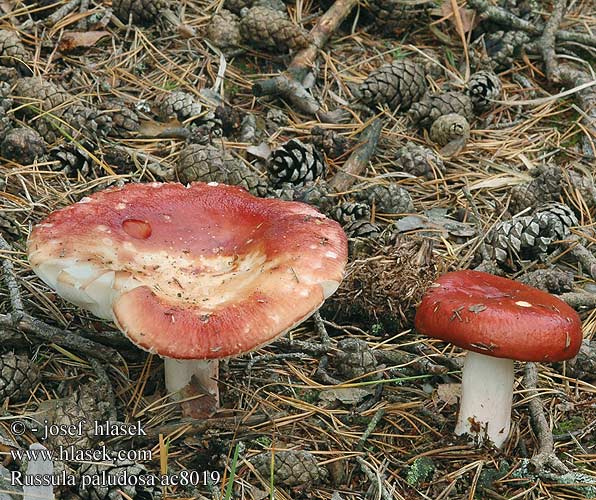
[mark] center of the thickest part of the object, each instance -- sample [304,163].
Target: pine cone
[117,469]
[18,377]
[9,228]
[362,229]
[236,6]
[5,118]
[209,163]
[83,120]
[529,237]
[484,87]
[399,85]
[349,212]
[271,29]
[551,280]
[545,187]
[396,13]
[295,163]
[141,12]
[387,198]
[230,118]
[37,96]
[419,161]
[502,47]
[331,143]
[70,159]
[585,185]
[291,467]
[12,51]
[179,105]
[224,29]
[84,404]
[313,193]
[125,121]
[354,358]
[426,111]
[583,366]
[23,145]
[449,128]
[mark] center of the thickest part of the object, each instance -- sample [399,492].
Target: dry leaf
[448,393]
[468,18]
[72,40]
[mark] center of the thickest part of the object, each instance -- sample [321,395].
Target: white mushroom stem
[486,398]
[179,372]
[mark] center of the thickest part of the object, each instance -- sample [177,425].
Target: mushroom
[194,274]
[498,321]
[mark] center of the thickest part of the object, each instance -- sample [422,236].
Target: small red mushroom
[194,274]
[497,320]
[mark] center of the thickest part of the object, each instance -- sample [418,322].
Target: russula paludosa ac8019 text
[194,274]
[497,320]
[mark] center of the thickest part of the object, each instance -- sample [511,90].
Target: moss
[420,471]
[571,424]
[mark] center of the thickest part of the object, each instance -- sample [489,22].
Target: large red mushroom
[194,274]
[497,320]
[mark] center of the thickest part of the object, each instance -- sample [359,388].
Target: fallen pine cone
[399,85]
[271,29]
[483,88]
[291,467]
[295,163]
[207,163]
[426,111]
[18,377]
[141,12]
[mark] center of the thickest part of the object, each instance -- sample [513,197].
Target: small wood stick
[358,160]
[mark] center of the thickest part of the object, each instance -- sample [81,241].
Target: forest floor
[371,402]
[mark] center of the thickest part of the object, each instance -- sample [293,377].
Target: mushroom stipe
[194,274]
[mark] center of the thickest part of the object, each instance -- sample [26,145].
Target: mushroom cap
[499,317]
[206,271]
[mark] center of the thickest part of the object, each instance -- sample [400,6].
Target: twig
[546,454]
[586,100]
[325,27]
[62,12]
[370,428]
[199,426]
[320,326]
[268,358]
[413,363]
[291,90]
[290,86]
[358,160]
[29,325]
[106,385]
[376,478]
[10,279]
[547,42]
[506,18]
[583,255]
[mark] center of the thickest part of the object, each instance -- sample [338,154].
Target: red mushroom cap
[499,317]
[200,272]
